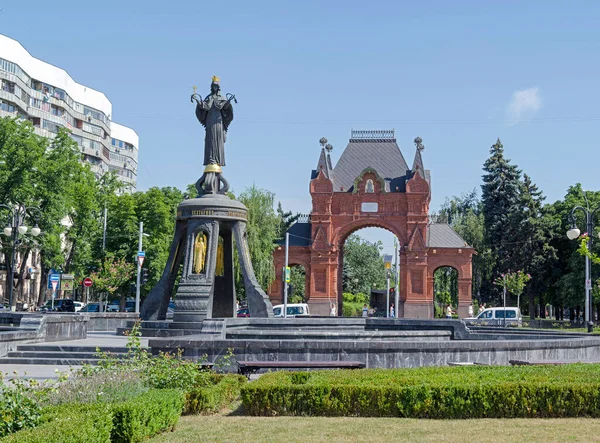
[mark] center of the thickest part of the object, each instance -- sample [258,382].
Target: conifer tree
[500,201]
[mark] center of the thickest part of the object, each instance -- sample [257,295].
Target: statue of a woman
[216,114]
[199,252]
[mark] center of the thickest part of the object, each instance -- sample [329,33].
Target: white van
[293,310]
[495,317]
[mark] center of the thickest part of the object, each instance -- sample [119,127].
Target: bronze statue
[215,112]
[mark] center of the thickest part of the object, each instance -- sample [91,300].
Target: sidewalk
[45,372]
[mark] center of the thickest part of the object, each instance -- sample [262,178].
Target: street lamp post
[573,234]
[16,227]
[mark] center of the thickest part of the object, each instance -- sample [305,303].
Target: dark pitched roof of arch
[383,155]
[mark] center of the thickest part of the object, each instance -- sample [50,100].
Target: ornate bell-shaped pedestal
[208,231]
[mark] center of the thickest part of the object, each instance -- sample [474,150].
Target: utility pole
[397,276]
[104,229]
[504,301]
[286,274]
[139,269]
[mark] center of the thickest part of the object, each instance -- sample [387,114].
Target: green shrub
[362,298]
[348,310]
[148,414]
[69,424]
[348,297]
[19,404]
[213,398]
[443,393]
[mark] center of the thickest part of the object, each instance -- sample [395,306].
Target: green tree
[297,281]
[157,209]
[465,215]
[535,227]
[445,288]
[263,230]
[567,288]
[500,201]
[363,266]
[514,282]
[114,277]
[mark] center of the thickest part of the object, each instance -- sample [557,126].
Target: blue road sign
[141,254]
[53,277]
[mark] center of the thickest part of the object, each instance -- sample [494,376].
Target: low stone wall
[387,343]
[24,328]
[385,354]
[109,321]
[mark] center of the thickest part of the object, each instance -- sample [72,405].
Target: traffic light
[144,276]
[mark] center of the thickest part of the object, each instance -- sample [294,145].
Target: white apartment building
[47,96]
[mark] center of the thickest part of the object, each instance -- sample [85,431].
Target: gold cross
[194,88]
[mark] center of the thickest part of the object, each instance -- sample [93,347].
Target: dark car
[244,312]
[91,307]
[59,305]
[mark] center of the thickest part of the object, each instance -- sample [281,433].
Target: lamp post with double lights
[16,227]
[573,234]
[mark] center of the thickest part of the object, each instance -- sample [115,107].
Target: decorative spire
[329,148]
[418,162]
[324,160]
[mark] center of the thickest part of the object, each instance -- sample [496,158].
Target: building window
[369,188]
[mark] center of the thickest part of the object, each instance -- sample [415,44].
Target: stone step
[48,361]
[71,348]
[273,334]
[151,332]
[58,354]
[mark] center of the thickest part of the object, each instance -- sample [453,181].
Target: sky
[458,74]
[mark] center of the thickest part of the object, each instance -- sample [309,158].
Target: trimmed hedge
[91,423]
[443,393]
[155,411]
[213,398]
[130,421]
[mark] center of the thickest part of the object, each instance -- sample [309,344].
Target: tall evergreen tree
[500,200]
[535,228]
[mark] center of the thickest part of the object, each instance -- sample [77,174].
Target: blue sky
[458,74]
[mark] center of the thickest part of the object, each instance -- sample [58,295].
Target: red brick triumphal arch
[372,186]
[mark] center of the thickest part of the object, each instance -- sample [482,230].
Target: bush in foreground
[223,392]
[443,393]
[130,421]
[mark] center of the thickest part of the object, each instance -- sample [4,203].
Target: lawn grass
[234,428]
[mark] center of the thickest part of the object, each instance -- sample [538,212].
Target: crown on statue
[216,79]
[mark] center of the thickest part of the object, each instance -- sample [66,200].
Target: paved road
[45,372]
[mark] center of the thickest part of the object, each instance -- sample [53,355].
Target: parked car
[293,310]
[114,306]
[91,307]
[78,306]
[495,317]
[244,312]
[59,305]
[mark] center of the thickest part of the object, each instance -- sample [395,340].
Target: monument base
[208,230]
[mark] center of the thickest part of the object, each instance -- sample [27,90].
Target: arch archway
[372,186]
[445,289]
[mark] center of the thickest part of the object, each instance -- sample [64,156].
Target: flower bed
[442,392]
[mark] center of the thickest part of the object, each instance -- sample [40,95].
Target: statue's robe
[215,113]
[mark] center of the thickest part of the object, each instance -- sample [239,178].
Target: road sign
[68,277]
[54,277]
[54,285]
[87,282]
[141,254]
[388,261]
[67,285]
[287,274]
[140,260]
